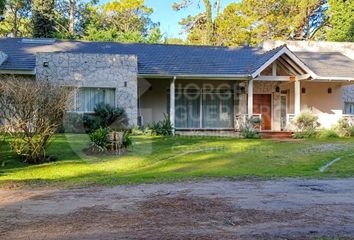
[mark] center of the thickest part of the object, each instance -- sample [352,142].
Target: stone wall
[94,70]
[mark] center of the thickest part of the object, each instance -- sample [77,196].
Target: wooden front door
[262,104]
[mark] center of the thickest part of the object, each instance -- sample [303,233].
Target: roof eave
[198,76]
[18,71]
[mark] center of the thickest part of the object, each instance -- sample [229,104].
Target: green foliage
[43,18]
[127,140]
[306,124]
[341,20]
[72,123]
[327,133]
[17,21]
[122,21]
[249,133]
[163,127]
[105,116]
[344,129]
[99,139]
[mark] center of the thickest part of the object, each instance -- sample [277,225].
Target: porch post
[250,98]
[172,101]
[297,93]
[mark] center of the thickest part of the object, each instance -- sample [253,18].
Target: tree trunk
[72,9]
[209,21]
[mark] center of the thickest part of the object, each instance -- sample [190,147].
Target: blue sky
[169,19]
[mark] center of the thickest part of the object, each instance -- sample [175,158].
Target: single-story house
[197,87]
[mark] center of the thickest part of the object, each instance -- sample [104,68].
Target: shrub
[163,127]
[327,133]
[106,116]
[343,128]
[72,123]
[306,124]
[127,141]
[99,139]
[248,130]
[249,133]
[32,110]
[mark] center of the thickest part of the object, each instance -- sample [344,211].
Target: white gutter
[201,76]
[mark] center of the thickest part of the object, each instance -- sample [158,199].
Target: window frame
[76,97]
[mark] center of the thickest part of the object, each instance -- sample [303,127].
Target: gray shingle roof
[328,64]
[152,58]
[158,59]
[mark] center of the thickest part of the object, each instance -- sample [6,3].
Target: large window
[87,98]
[204,109]
[349,108]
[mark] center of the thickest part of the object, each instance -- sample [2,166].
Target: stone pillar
[250,98]
[297,95]
[172,101]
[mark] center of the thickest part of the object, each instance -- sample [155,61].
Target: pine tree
[341,20]
[43,18]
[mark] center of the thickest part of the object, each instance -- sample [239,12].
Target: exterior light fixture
[329,90]
[303,90]
[45,64]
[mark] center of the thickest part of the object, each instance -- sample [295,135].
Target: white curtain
[88,98]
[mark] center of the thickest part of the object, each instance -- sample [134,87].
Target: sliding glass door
[204,109]
[187,109]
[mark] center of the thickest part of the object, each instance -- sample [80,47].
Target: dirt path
[282,209]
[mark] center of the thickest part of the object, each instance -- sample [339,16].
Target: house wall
[329,107]
[94,70]
[346,48]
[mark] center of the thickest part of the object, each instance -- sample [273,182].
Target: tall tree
[341,20]
[253,21]
[16,19]
[200,27]
[122,21]
[43,18]
[72,16]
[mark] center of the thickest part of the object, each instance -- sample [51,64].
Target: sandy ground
[281,209]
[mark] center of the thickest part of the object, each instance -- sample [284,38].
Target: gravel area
[222,209]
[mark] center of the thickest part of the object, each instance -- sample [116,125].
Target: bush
[72,123]
[249,133]
[99,139]
[127,141]
[106,116]
[248,129]
[327,133]
[344,129]
[306,124]
[163,127]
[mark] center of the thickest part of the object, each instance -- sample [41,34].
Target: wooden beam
[273,78]
[294,65]
[274,68]
[288,66]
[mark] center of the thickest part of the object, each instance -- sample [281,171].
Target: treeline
[121,21]
[243,22]
[253,21]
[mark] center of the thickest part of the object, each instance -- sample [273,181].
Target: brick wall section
[95,70]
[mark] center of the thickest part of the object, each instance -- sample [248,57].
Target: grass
[158,159]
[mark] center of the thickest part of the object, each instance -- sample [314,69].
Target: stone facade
[97,71]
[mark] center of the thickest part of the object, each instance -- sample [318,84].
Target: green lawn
[176,158]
